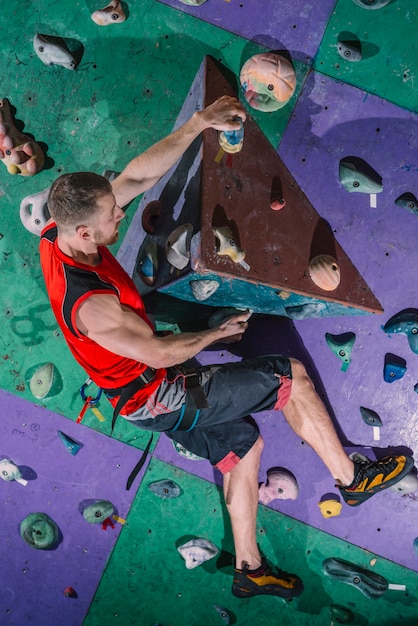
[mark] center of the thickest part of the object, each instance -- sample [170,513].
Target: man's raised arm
[146,169]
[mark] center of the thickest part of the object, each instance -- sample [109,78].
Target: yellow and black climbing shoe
[265,581]
[370,477]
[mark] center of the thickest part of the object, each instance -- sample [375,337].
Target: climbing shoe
[265,581]
[370,477]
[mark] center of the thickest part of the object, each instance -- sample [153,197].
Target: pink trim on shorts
[228,463]
[283,392]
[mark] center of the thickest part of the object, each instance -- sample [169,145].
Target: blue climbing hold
[341,345]
[370,417]
[406,322]
[71,444]
[165,488]
[394,368]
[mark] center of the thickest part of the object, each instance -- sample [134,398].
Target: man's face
[106,222]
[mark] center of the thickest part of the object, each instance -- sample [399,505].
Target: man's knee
[300,377]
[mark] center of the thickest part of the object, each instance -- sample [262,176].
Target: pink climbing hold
[280,485]
[19,153]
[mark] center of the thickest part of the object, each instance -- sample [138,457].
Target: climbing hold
[324,272]
[408,201]
[341,345]
[148,264]
[226,246]
[111,14]
[305,311]
[150,214]
[219,316]
[10,471]
[372,585]
[39,531]
[371,4]
[197,551]
[193,3]
[281,484]
[34,212]
[268,81]
[416,387]
[340,614]
[406,322]
[277,204]
[357,176]
[177,246]
[71,444]
[70,592]
[224,614]
[203,289]
[54,51]
[406,485]
[349,47]
[41,380]
[19,153]
[165,488]
[370,417]
[415,545]
[232,140]
[394,368]
[330,507]
[98,512]
[186,454]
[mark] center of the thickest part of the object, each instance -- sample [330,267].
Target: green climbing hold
[39,531]
[341,345]
[97,512]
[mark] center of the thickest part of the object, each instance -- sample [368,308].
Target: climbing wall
[115,558]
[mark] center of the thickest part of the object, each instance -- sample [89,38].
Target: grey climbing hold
[370,584]
[372,4]
[224,614]
[165,488]
[34,212]
[305,311]
[203,289]
[54,51]
[197,551]
[10,471]
[178,246]
[349,47]
[371,418]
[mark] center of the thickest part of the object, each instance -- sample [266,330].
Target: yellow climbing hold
[330,508]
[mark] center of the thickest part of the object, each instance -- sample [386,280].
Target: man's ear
[84,232]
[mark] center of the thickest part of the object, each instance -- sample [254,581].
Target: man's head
[74,198]
[83,205]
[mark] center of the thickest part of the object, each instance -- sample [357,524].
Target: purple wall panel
[58,482]
[275,25]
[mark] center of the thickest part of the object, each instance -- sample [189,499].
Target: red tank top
[68,284]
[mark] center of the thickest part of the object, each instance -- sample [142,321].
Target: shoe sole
[354,499]
[240,591]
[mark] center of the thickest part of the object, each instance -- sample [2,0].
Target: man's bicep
[104,320]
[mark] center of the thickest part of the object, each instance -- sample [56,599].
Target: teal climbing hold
[406,322]
[341,345]
[225,615]
[39,531]
[372,4]
[340,614]
[370,584]
[416,545]
[371,418]
[165,488]
[358,176]
[408,201]
[394,368]
[71,444]
[98,512]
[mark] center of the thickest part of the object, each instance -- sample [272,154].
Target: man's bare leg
[307,416]
[241,498]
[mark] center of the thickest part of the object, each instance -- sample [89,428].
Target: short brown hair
[73,197]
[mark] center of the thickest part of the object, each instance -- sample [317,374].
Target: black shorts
[225,431]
